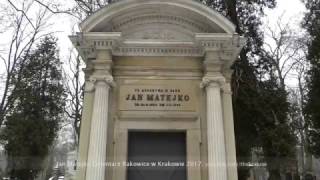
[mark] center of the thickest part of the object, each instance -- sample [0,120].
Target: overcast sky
[292,10]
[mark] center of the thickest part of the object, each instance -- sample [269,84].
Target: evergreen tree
[312,108]
[32,122]
[260,106]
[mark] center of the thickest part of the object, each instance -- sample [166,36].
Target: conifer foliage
[35,112]
[260,105]
[312,108]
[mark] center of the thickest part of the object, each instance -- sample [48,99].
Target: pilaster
[85,130]
[229,131]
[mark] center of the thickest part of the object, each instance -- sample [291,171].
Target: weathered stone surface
[157,65]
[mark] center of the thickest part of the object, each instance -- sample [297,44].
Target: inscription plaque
[157,98]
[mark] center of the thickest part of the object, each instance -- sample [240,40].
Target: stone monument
[157,89]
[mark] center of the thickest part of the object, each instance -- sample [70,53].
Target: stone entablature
[227,46]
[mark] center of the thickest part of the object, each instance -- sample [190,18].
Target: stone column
[98,133]
[215,130]
[229,132]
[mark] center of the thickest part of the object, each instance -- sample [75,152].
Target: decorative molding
[102,66]
[160,77]
[213,66]
[213,41]
[226,88]
[86,50]
[91,82]
[161,19]
[155,71]
[94,79]
[88,70]
[103,44]
[216,81]
[227,45]
[88,44]
[200,13]
[165,35]
[156,115]
[158,51]
[220,49]
[89,85]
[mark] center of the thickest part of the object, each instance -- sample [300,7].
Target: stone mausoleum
[157,102]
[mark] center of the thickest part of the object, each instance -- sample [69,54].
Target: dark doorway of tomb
[156,156]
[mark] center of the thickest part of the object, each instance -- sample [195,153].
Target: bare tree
[75,83]
[27,30]
[296,98]
[26,27]
[77,8]
[283,50]
[73,72]
[88,7]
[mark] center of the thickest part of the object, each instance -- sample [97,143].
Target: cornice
[89,43]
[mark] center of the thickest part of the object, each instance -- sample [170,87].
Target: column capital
[107,79]
[89,86]
[215,81]
[93,80]
[226,88]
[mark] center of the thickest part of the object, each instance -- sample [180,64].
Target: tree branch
[23,12]
[55,11]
